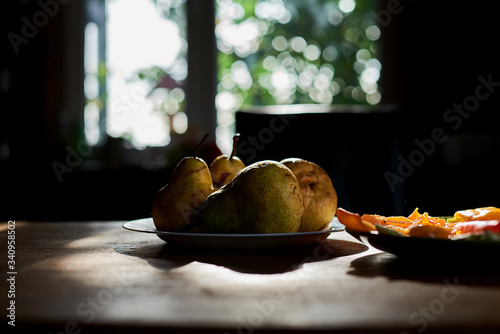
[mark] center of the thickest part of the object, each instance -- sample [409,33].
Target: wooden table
[90,277]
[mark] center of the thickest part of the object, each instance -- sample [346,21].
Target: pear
[178,203]
[320,197]
[224,168]
[263,197]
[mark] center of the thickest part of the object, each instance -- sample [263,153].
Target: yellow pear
[224,167]
[320,197]
[178,203]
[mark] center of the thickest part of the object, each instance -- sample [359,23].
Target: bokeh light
[347,6]
[292,51]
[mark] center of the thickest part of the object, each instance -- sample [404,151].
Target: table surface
[75,276]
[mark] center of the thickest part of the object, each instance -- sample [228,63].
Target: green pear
[320,197]
[263,197]
[178,203]
[224,168]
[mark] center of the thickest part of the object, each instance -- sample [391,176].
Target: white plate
[234,241]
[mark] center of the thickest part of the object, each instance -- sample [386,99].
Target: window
[145,64]
[143,67]
[293,51]
[268,52]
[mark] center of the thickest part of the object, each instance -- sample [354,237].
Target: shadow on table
[470,271]
[260,261]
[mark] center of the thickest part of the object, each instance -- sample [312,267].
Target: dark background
[432,58]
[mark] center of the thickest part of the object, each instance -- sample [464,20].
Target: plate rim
[153,230]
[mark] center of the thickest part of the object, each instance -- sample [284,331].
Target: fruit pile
[293,195]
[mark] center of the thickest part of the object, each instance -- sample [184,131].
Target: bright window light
[140,39]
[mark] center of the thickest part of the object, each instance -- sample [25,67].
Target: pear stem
[236,137]
[201,143]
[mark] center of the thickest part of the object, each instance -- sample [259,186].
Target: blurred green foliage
[336,34]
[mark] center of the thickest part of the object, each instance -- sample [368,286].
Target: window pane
[93,96]
[146,64]
[294,51]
